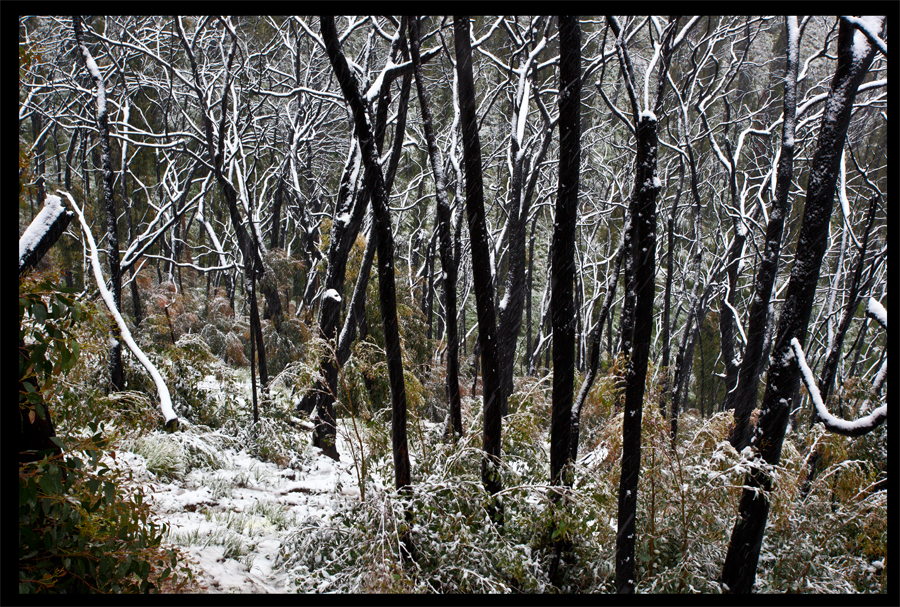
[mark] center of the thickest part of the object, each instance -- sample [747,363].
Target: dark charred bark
[117,374]
[562,273]
[448,263]
[562,260]
[639,240]
[643,249]
[494,395]
[348,215]
[382,225]
[783,377]
[743,398]
[70,155]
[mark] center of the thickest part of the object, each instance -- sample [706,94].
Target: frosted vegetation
[254,508]
[230,140]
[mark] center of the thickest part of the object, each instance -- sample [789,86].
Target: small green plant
[80,532]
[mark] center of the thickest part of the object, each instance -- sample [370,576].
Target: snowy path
[231,521]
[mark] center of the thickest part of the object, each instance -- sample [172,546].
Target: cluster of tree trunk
[208,144]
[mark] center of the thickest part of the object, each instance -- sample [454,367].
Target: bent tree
[854,56]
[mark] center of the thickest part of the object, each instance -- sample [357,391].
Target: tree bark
[783,377]
[562,273]
[448,263]
[743,399]
[116,371]
[494,396]
[643,249]
[386,285]
[562,270]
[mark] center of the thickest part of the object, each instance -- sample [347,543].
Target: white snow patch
[877,311]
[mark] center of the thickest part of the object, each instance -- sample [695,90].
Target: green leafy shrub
[79,531]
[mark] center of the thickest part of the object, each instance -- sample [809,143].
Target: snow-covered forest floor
[231,520]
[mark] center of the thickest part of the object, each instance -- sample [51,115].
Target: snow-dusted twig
[165,401]
[834,424]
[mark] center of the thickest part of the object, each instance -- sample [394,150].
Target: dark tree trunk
[254,319]
[529,282]
[39,145]
[448,263]
[743,398]
[782,384]
[494,395]
[117,375]
[70,155]
[348,216]
[562,273]
[382,225]
[643,249]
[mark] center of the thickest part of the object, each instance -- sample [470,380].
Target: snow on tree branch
[869,26]
[165,401]
[875,310]
[863,425]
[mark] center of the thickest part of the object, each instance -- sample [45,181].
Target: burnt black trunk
[448,263]
[783,377]
[643,250]
[494,395]
[743,398]
[382,225]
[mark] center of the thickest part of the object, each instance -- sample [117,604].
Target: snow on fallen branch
[42,232]
[165,401]
[835,424]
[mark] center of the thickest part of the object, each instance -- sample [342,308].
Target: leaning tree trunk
[382,225]
[855,55]
[494,397]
